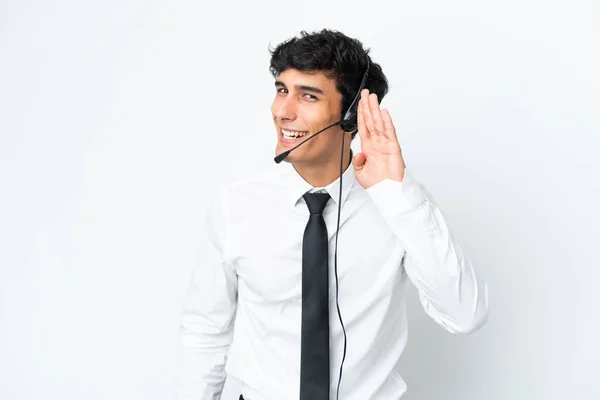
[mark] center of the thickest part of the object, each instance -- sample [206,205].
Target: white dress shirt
[242,313]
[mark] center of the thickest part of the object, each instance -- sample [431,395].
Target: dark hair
[338,56]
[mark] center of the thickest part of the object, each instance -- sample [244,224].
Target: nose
[286,109]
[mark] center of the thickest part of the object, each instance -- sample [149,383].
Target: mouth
[291,136]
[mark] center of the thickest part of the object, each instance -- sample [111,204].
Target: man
[248,310]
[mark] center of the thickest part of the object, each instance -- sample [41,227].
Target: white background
[117,118]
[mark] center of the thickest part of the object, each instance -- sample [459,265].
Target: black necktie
[314,351]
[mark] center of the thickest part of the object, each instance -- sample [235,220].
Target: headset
[349,123]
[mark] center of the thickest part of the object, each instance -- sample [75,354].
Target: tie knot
[316,202]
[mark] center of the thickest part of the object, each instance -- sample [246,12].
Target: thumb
[358,161]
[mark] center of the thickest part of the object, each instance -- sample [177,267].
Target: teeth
[291,134]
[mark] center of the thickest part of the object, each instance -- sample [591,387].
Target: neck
[321,175]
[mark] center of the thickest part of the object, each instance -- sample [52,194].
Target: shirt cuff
[394,198]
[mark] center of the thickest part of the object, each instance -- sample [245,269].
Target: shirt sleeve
[207,317]
[448,287]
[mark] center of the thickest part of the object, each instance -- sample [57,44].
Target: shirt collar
[296,186]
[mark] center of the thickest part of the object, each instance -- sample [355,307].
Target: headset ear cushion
[350,123]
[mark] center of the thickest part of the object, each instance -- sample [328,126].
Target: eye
[310,96]
[280,90]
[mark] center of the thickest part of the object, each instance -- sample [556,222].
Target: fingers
[376,113]
[372,120]
[387,123]
[358,161]
[366,111]
[363,132]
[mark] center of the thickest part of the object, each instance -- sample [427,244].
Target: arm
[207,317]
[448,287]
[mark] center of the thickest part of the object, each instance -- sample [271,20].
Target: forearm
[449,289]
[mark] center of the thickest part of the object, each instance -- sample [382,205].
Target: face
[305,103]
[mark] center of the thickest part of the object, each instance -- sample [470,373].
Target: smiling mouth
[291,135]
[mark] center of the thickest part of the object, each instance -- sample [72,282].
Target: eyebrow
[301,87]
